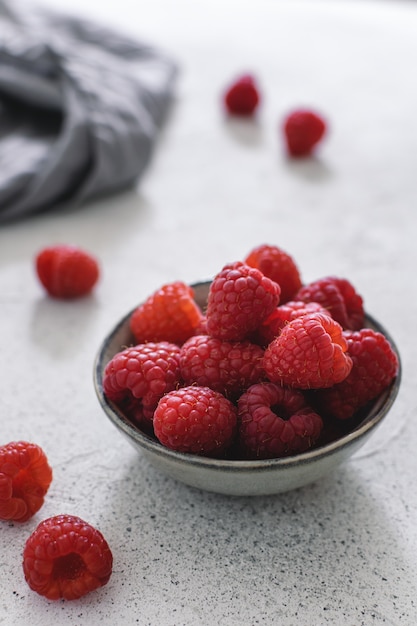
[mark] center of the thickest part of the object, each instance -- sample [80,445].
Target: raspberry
[339,297]
[197,420]
[277,265]
[170,314]
[67,271]
[25,476]
[202,327]
[221,365]
[375,365]
[240,298]
[274,323]
[275,421]
[242,96]
[303,130]
[66,557]
[310,352]
[137,377]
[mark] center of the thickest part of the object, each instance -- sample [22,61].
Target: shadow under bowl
[240,477]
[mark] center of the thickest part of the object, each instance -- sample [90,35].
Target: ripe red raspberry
[25,476]
[67,271]
[275,421]
[242,97]
[279,266]
[195,419]
[202,327]
[221,365]
[66,557]
[137,377]
[303,130]
[339,297]
[240,298]
[310,352]
[170,314]
[375,365]
[274,323]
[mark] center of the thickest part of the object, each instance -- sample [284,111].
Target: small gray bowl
[240,477]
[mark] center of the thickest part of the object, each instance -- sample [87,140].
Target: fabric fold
[81,107]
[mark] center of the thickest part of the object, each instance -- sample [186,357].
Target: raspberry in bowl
[214,413]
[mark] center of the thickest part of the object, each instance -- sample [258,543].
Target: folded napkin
[80,108]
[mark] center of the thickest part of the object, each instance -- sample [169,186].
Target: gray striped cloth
[80,108]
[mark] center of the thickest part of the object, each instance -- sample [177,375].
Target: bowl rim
[377,413]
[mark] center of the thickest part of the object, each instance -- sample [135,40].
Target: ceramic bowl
[240,477]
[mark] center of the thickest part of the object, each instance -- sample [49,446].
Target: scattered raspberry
[279,266]
[274,323]
[303,130]
[25,477]
[170,314]
[197,420]
[240,298]
[242,97]
[375,365]
[66,557]
[310,352]
[339,297]
[67,271]
[275,421]
[221,365]
[136,378]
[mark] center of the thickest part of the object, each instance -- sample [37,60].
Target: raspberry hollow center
[68,567]
[23,482]
[281,411]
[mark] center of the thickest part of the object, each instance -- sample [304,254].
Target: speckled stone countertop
[342,551]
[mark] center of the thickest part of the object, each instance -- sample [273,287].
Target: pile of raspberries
[269,368]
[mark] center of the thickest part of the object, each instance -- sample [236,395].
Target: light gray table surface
[342,551]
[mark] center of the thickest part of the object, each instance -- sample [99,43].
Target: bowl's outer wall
[249,482]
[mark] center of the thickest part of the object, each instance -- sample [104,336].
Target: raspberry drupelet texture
[65,557]
[202,327]
[279,266]
[310,352]
[274,323]
[195,420]
[67,271]
[170,314]
[339,297]
[242,97]
[303,130]
[25,477]
[375,365]
[227,367]
[239,300]
[274,421]
[137,377]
